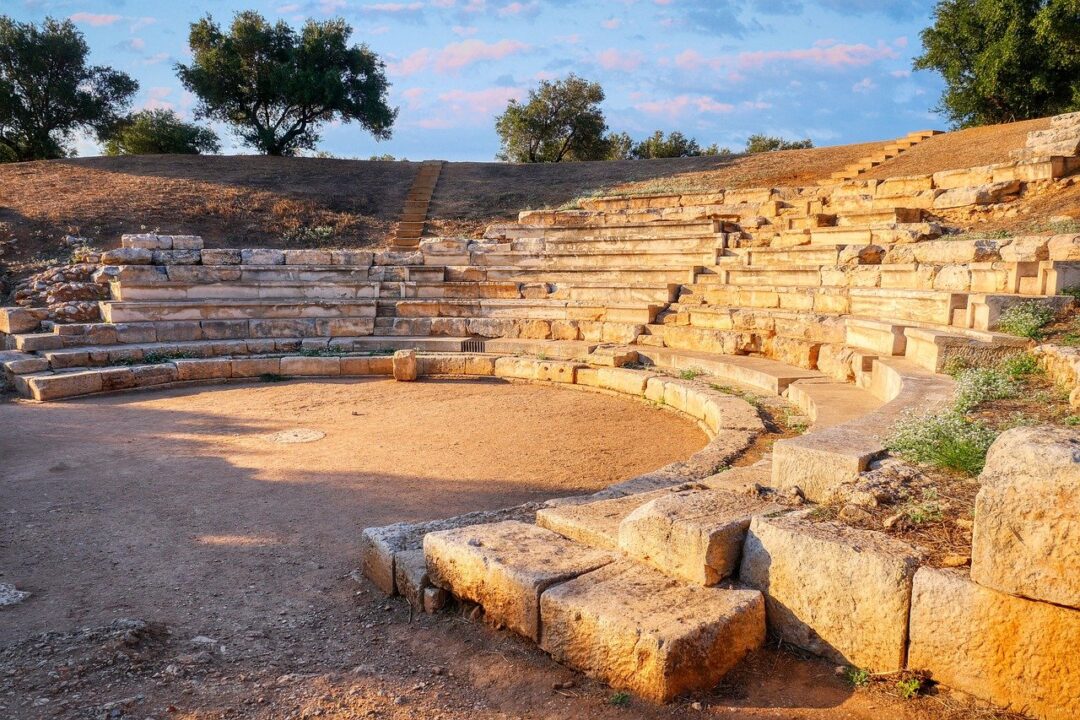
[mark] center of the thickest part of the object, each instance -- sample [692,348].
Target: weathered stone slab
[595,524]
[262,256]
[527,369]
[127,256]
[202,369]
[639,630]
[1014,652]
[62,385]
[1027,516]
[372,365]
[310,366]
[831,589]
[221,256]
[380,545]
[254,367]
[505,567]
[405,365]
[695,535]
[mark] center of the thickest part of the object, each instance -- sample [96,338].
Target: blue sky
[837,71]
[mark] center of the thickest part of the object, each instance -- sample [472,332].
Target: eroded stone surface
[695,534]
[1027,516]
[595,524]
[836,591]
[645,632]
[505,566]
[1014,652]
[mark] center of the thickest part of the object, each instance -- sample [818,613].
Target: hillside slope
[277,202]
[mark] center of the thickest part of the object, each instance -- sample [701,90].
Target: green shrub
[975,386]
[1020,366]
[942,439]
[619,699]
[909,688]
[1026,319]
[858,677]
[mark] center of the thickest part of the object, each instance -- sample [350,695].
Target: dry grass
[960,149]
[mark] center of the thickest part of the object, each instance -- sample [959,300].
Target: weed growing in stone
[154,358]
[909,688]
[975,386]
[943,439]
[1026,319]
[691,373]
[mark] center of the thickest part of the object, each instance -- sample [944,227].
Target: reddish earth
[174,507]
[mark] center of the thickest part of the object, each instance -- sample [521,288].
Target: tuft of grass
[975,386]
[155,358]
[318,235]
[942,439]
[1073,291]
[691,373]
[619,699]
[1072,420]
[1026,319]
[909,689]
[858,677]
[927,510]
[1020,366]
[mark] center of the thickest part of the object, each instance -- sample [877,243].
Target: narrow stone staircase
[410,226]
[893,149]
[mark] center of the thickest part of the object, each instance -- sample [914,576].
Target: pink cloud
[611,23]
[690,60]
[413,63]
[390,7]
[463,30]
[455,56]
[517,8]
[679,105]
[94,19]
[837,55]
[612,59]
[480,102]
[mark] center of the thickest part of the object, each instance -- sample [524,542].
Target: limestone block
[978,195]
[505,567]
[902,186]
[146,241]
[411,576]
[483,365]
[177,257]
[1027,516]
[377,365]
[113,379]
[1026,249]
[147,375]
[202,369]
[442,364]
[963,178]
[1064,247]
[127,256]
[1010,651]
[565,330]
[527,369]
[622,380]
[596,523]
[939,252]
[359,258]
[54,387]
[307,257]
[254,367]
[221,256]
[620,332]
[21,320]
[834,590]
[612,356]
[695,535]
[187,242]
[262,256]
[641,631]
[399,257]
[954,278]
[405,365]
[309,366]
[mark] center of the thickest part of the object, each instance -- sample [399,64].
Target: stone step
[600,260]
[616,274]
[880,217]
[117,312]
[313,290]
[653,245]
[643,231]
[524,309]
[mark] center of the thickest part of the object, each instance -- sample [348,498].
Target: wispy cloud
[95,20]
[621,60]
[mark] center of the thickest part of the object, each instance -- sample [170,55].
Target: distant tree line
[561,121]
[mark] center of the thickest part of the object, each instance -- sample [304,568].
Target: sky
[836,71]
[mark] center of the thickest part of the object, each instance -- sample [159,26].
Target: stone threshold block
[596,524]
[1026,539]
[1021,654]
[695,535]
[505,567]
[644,632]
[381,547]
[836,591]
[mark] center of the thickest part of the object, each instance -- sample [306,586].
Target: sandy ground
[234,555]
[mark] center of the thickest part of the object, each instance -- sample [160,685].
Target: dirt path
[235,554]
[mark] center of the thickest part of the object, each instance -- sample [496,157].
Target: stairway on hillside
[410,226]
[893,149]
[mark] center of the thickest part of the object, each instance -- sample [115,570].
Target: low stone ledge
[639,630]
[836,591]
[560,371]
[1026,539]
[380,545]
[596,523]
[311,366]
[505,567]
[1017,653]
[693,534]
